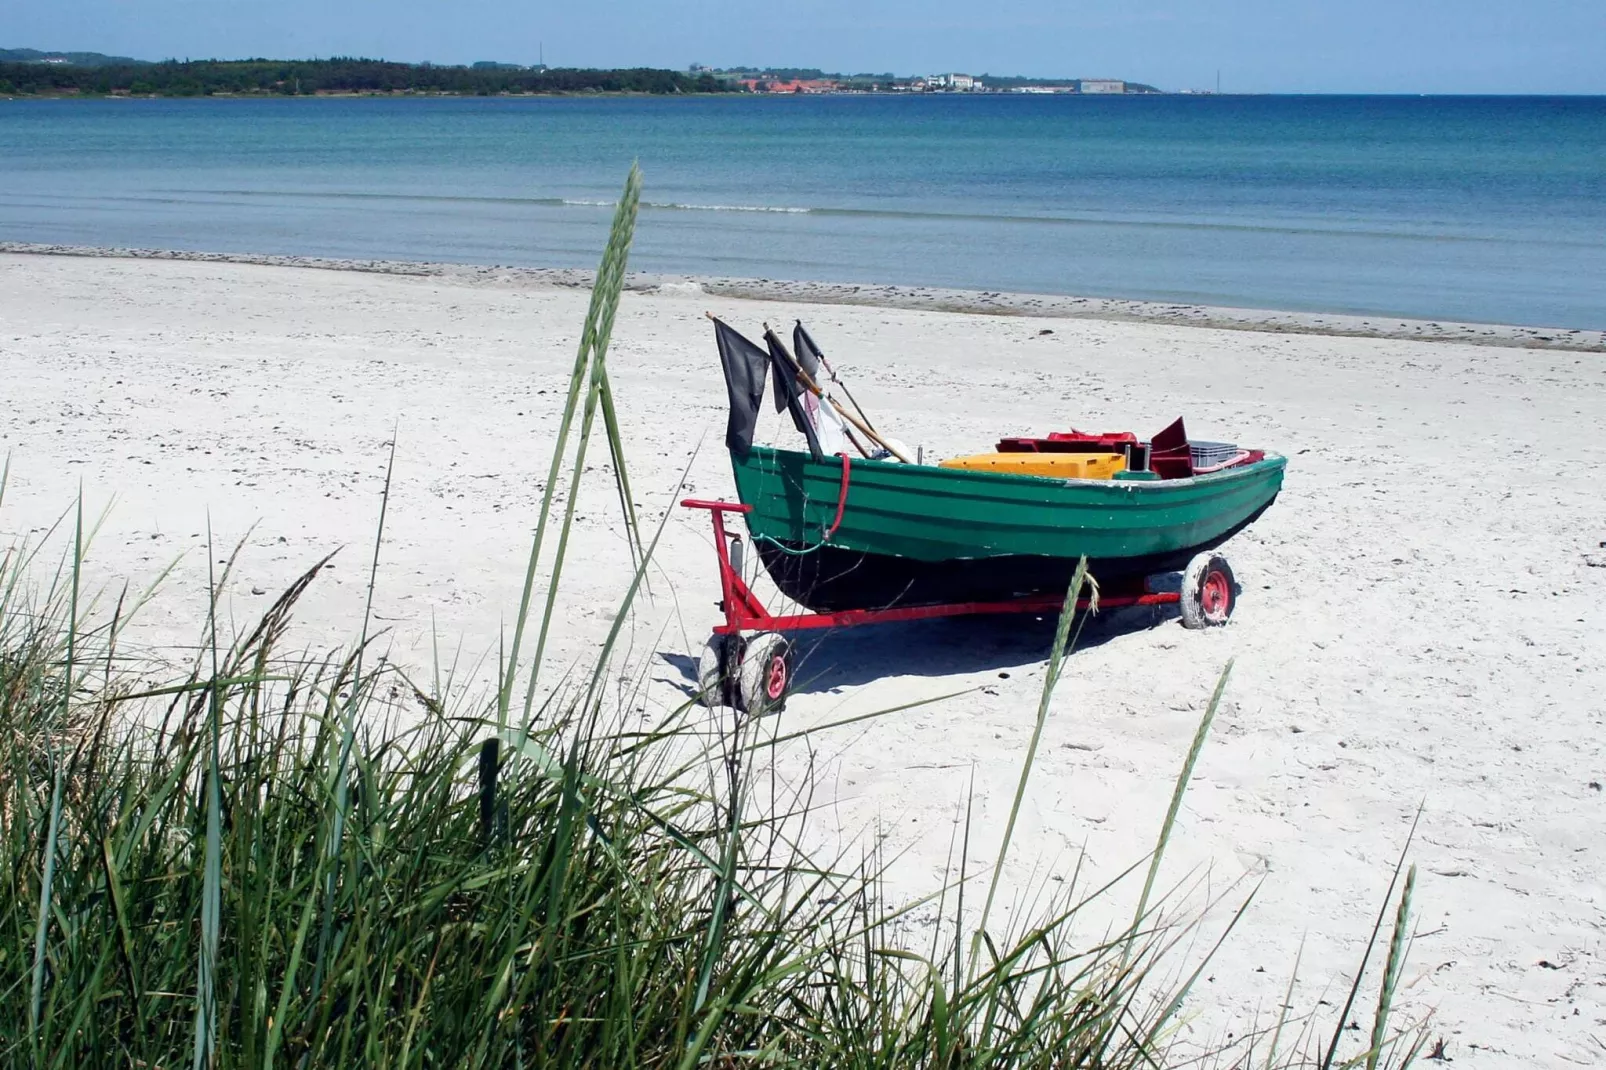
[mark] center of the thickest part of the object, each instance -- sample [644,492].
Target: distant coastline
[333,77]
[30,72]
[919,298]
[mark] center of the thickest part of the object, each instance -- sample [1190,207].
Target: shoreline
[358,94]
[914,298]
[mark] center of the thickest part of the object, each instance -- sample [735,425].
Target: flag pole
[774,340]
[832,373]
[809,383]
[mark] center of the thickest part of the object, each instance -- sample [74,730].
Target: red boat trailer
[754,673]
[744,612]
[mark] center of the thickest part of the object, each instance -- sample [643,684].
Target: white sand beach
[1423,620]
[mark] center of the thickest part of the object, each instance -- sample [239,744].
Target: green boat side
[927,514]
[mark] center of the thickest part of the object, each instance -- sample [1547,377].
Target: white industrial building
[954,83]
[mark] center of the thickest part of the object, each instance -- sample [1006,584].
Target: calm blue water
[1488,209]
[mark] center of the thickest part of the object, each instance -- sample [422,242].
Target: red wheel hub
[1215,595]
[775,678]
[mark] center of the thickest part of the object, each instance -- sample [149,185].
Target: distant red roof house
[760,85]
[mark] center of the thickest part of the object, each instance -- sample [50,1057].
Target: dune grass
[286,859]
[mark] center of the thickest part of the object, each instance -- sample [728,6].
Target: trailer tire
[713,676]
[766,674]
[1209,592]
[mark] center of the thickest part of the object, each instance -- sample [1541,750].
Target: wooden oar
[773,339]
[845,391]
[813,388]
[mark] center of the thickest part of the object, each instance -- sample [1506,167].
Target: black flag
[808,354]
[745,367]
[789,391]
[785,373]
[810,357]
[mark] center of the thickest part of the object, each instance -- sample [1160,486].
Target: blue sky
[1399,46]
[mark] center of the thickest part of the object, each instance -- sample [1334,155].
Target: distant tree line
[338,75]
[78,59]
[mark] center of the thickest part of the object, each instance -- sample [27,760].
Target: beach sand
[1421,622]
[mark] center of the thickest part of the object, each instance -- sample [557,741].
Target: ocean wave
[1298,228]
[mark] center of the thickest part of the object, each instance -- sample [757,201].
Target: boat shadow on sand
[827,661]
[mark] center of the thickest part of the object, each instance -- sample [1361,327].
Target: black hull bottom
[830,579]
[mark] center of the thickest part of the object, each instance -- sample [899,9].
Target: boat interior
[1119,456]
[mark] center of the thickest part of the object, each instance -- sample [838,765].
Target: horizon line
[697,68]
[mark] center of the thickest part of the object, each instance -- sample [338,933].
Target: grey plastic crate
[1210,454]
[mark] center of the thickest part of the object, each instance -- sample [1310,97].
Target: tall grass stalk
[1056,658]
[1391,972]
[341,783]
[1285,1007]
[51,845]
[1178,790]
[588,363]
[212,862]
[46,886]
[1371,944]
[605,304]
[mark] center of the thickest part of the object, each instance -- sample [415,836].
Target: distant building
[1103,85]
[948,83]
[766,85]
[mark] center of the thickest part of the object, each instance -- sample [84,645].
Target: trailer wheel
[1209,592]
[713,670]
[766,674]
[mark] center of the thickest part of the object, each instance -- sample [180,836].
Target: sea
[1488,209]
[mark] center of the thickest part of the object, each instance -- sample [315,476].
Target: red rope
[841,499]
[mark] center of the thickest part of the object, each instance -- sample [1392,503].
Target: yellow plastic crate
[1051,465]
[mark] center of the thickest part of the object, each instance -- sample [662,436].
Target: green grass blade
[1391,971]
[125,935]
[42,925]
[287,989]
[52,836]
[1050,678]
[627,505]
[340,786]
[604,299]
[964,871]
[605,302]
[722,898]
[212,878]
[1371,942]
[1284,1008]
[1177,792]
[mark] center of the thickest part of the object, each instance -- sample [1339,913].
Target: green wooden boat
[912,535]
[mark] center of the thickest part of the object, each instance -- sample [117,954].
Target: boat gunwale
[1270,460]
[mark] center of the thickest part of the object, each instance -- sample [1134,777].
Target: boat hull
[916,535]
